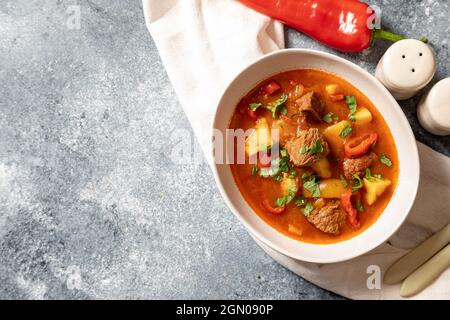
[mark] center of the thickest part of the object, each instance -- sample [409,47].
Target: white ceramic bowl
[399,206]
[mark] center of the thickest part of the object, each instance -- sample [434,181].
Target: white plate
[399,206]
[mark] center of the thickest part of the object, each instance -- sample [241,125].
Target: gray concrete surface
[90,204]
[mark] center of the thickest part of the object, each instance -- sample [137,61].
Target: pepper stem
[383,34]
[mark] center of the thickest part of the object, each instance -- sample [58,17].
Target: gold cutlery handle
[416,257]
[426,274]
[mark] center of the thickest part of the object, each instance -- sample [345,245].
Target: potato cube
[332,134]
[375,188]
[329,188]
[332,88]
[259,139]
[289,186]
[363,116]
[322,168]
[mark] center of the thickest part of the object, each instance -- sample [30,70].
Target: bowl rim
[411,141]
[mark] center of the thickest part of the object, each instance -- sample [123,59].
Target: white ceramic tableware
[397,209]
[406,67]
[434,109]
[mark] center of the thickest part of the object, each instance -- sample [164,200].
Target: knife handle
[416,257]
[426,274]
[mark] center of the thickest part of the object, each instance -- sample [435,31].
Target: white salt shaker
[434,109]
[406,67]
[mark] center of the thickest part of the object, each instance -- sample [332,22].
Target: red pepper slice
[343,24]
[359,146]
[274,210]
[271,88]
[337,97]
[251,114]
[346,203]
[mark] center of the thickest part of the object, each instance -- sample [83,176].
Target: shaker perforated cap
[438,103]
[409,65]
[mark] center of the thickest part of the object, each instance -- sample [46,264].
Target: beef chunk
[311,105]
[307,147]
[358,165]
[328,219]
[287,127]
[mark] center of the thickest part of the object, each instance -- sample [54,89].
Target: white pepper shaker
[434,109]
[406,67]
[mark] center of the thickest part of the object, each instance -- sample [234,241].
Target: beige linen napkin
[203,44]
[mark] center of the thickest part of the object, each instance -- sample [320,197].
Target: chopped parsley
[285,200]
[346,131]
[255,106]
[281,201]
[277,167]
[357,183]
[351,103]
[254,170]
[300,201]
[305,176]
[359,207]
[284,164]
[278,177]
[343,181]
[328,118]
[278,106]
[304,149]
[369,176]
[308,209]
[378,176]
[312,186]
[385,160]
[317,148]
[293,174]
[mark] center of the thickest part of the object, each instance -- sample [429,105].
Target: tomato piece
[347,206]
[359,146]
[251,114]
[337,97]
[274,210]
[271,88]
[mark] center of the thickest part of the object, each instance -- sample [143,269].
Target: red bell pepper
[347,205]
[274,210]
[251,114]
[271,88]
[359,146]
[337,97]
[244,109]
[340,24]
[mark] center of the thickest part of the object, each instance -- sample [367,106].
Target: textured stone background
[90,204]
